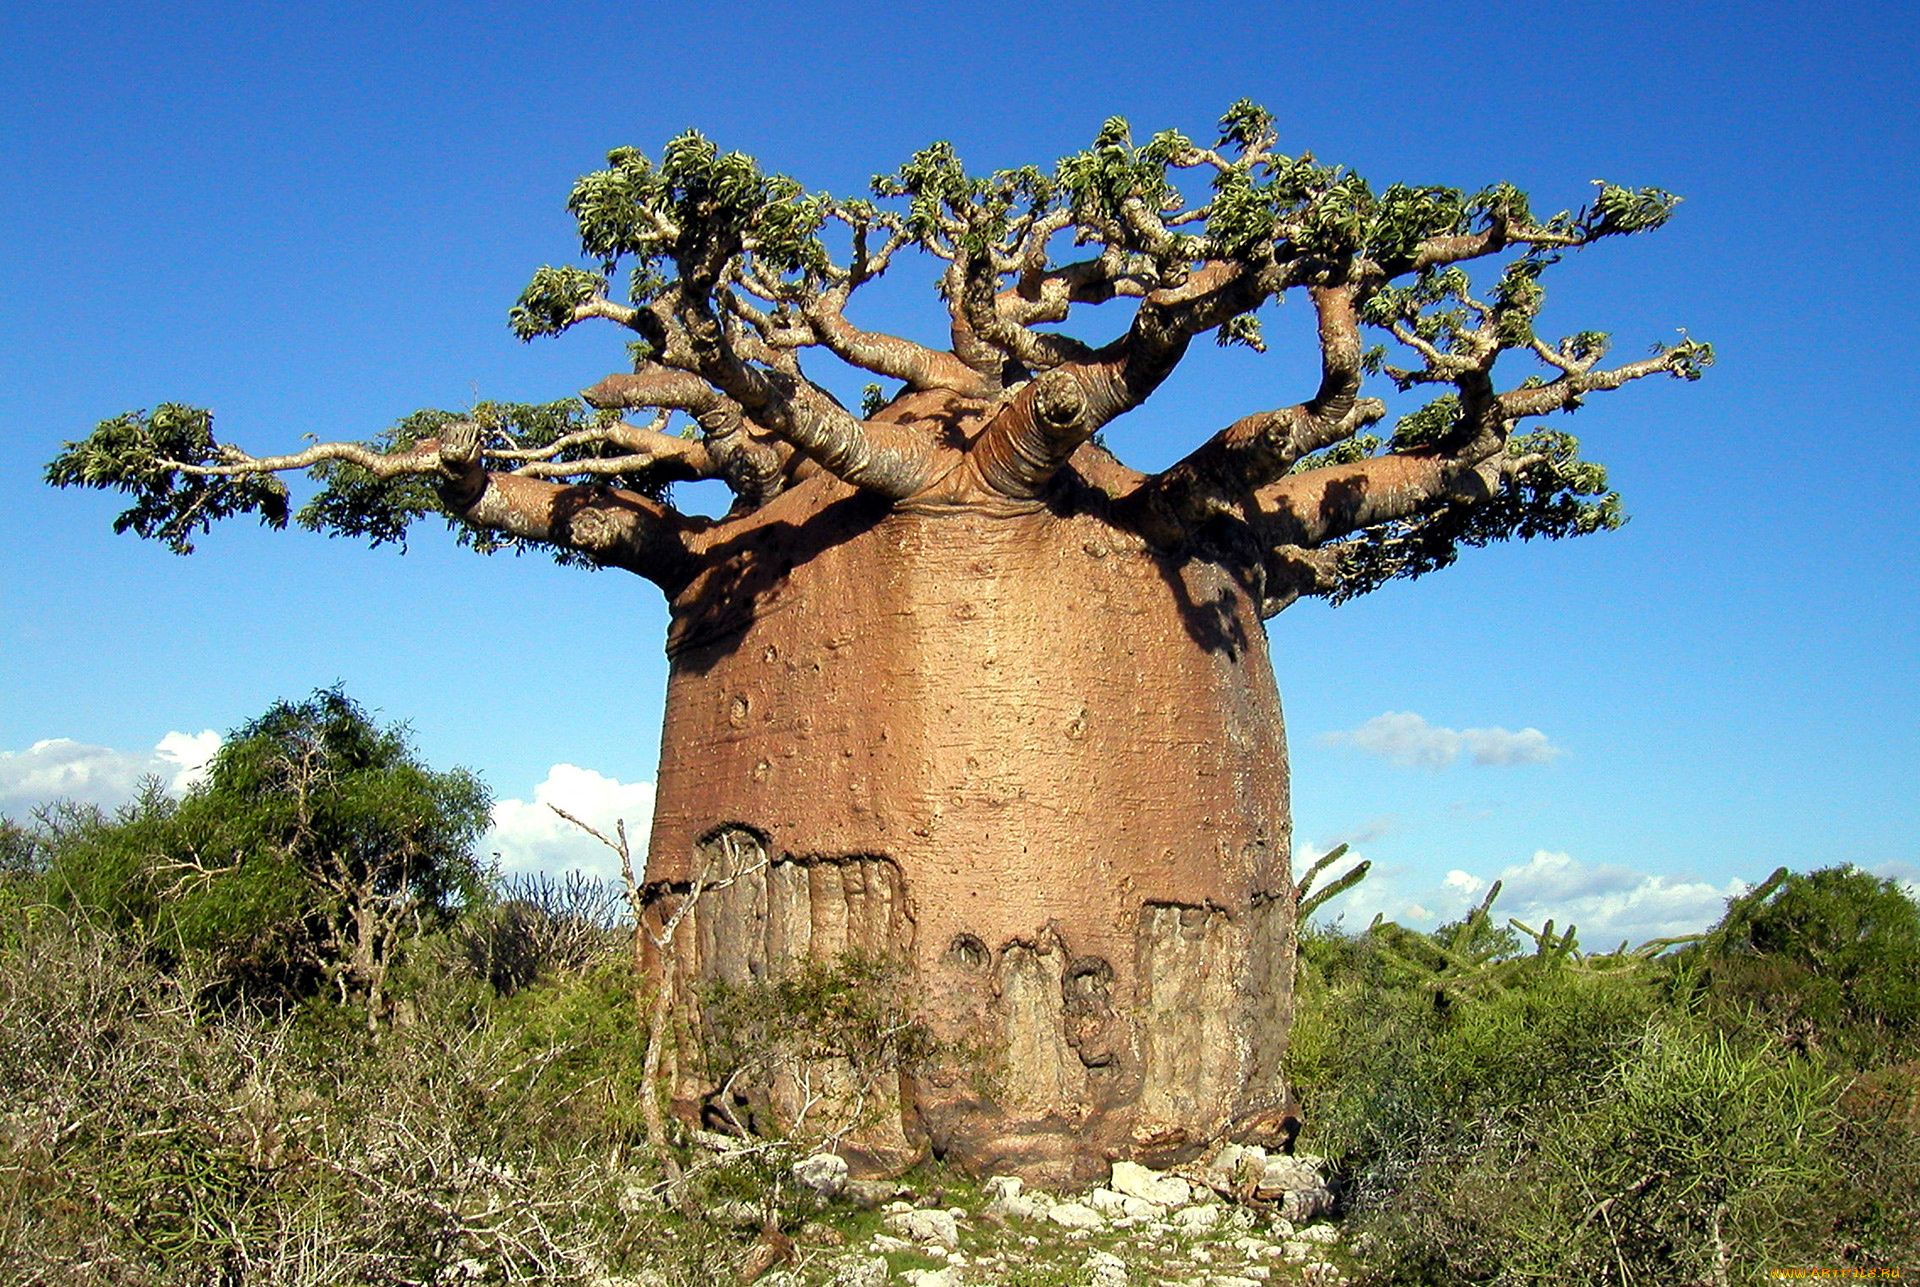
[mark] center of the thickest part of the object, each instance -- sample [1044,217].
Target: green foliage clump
[140,454]
[315,849]
[826,1036]
[1692,1110]
[1828,966]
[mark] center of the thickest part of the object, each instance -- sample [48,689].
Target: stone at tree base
[1302,1205]
[1148,1185]
[1006,1201]
[869,1194]
[1285,1175]
[1121,1206]
[1104,1269]
[861,1271]
[824,1173]
[1075,1215]
[926,1227]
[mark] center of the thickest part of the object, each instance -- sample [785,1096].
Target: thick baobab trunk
[1038,763]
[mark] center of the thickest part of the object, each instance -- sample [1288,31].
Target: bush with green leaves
[316,849]
[1828,964]
[1503,1116]
[151,1139]
[826,1038]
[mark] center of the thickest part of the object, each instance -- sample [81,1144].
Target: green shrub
[1698,1115]
[150,1139]
[317,847]
[1828,965]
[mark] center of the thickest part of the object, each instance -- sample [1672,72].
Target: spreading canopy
[732,276]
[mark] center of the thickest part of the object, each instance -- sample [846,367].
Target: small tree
[316,847]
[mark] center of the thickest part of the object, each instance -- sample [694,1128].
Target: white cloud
[192,753]
[1606,903]
[530,836]
[1609,903]
[60,768]
[1406,739]
[1498,746]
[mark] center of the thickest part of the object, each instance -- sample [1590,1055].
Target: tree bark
[1029,756]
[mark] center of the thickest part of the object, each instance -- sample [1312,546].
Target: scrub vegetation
[289,1029]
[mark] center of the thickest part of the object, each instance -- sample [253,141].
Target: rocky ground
[1237,1218]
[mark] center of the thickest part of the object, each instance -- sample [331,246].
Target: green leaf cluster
[680,220]
[1502,1115]
[1555,495]
[138,454]
[309,817]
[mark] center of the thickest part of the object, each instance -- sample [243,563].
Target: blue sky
[312,219]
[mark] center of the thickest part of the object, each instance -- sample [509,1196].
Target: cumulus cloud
[529,836]
[1606,902]
[59,768]
[1610,903]
[1406,739]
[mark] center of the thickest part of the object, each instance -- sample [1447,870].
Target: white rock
[740,1215]
[1123,1205]
[1021,1206]
[1281,1229]
[1104,1269]
[824,1173]
[1287,1175]
[926,1227]
[1226,1160]
[1252,1248]
[861,1271]
[1197,1219]
[1296,1249]
[1324,1234]
[887,1242]
[1076,1215]
[896,1206]
[1302,1205]
[1005,1198]
[1137,1181]
[929,1277]
[1232,1280]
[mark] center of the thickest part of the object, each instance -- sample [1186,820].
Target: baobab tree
[960,687]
